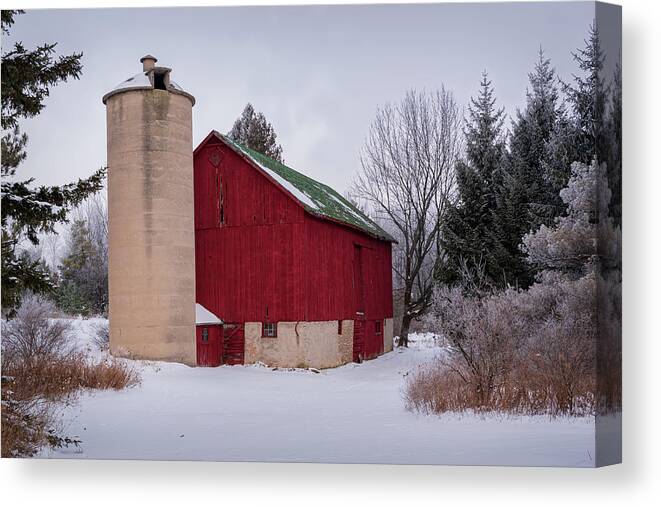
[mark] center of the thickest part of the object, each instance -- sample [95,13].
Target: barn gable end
[222,178]
[316,198]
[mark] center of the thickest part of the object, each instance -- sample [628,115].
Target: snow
[204,316]
[30,201]
[138,81]
[289,187]
[351,414]
[351,211]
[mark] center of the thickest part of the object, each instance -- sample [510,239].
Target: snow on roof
[204,316]
[138,81]
[142,81]
[176,86]
[317,198]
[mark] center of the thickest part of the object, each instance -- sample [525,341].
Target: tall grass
[522,352]
[39,369]
[438,388]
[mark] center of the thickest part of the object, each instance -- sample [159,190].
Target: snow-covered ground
[351,414]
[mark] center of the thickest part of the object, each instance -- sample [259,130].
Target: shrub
[29,389]
[56,380]
[101,337]
[517,351]
[34,333]
[24,422]
[40,367]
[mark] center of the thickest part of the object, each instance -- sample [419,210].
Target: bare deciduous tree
[51,249]
[408,182]
[94,211]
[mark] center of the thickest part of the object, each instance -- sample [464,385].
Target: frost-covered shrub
[29,417]
[587,240]
[558,366]
[609,343]
[34,332]
[519,351]
[101,337]
[29,339]
[24,421]
[39,367]
[480,334]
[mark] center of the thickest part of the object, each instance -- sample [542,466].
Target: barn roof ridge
[317,198]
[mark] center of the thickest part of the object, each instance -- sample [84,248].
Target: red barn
[298,275]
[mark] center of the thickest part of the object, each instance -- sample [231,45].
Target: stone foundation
[306,344]
[300,344]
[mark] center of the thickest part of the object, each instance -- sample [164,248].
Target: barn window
[377,327]
[339,327]
[269,330]
[205,334]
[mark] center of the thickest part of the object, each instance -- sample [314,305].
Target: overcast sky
[318,73]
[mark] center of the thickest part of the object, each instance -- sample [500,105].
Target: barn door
[209,346]
[233,344]
[373,338]
[358,281]
[359,338]
[359,303]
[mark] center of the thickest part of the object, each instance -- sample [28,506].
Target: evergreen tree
[531,133]
[27,76]
[76,292]
[588,96]
[583,134]
[511,220]
[252,130]
[562,149]
[615,143]
[526,199]
[469,239]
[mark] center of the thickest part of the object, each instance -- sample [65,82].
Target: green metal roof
[317,198]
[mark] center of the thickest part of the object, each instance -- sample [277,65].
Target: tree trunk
[404,333]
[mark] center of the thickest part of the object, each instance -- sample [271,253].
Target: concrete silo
[150,208]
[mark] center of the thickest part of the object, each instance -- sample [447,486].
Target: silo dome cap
[150,78]
[148,57]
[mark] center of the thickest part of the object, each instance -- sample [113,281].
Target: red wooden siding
[248,197]
[270,260]
[209,347]
[329,278]
[248,274]
[207,197]
[358,280]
